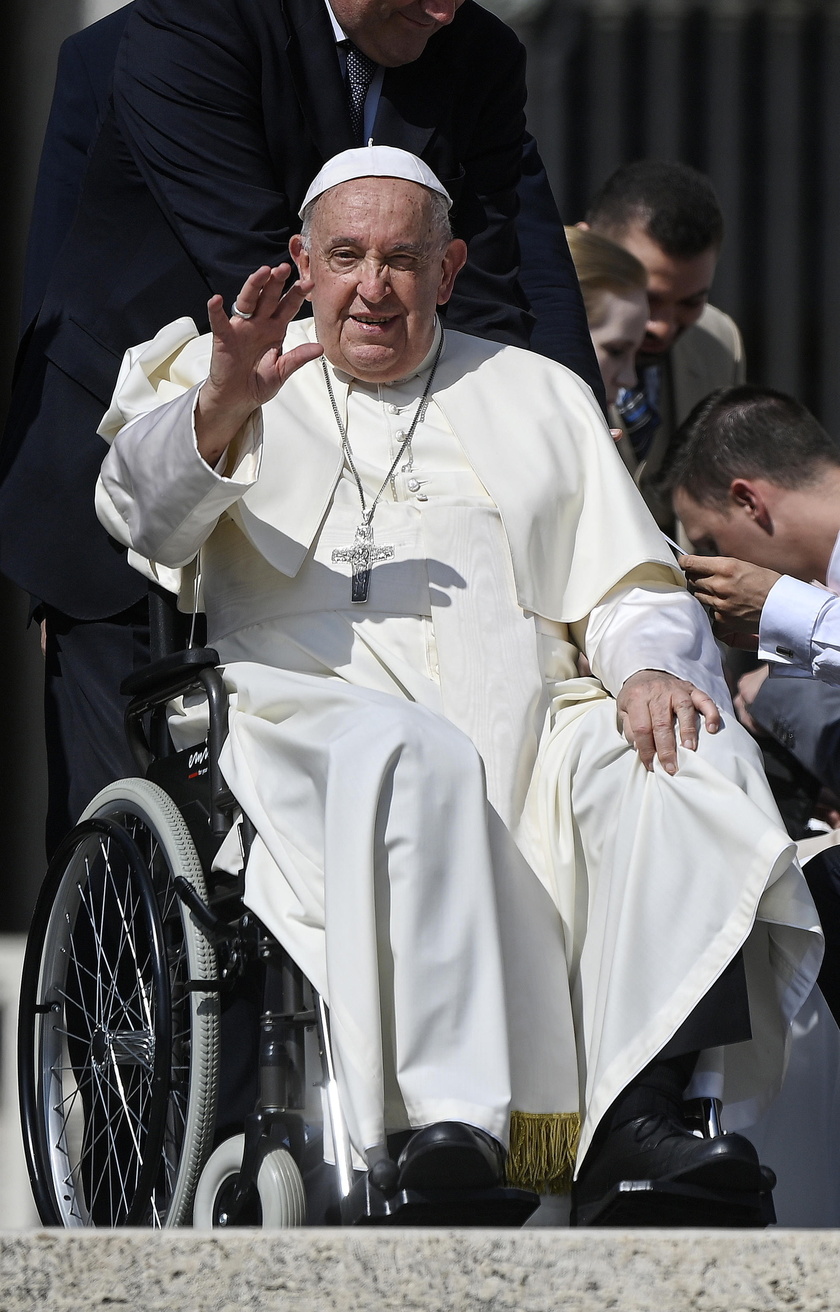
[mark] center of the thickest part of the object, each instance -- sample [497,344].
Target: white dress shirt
[800,624]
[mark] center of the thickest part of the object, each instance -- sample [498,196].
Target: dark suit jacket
[803,715]
[82,87]
[222,114]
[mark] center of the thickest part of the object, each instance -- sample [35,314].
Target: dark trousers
[822,873]
[721,1017]
[86,660]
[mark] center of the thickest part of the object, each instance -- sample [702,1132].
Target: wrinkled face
[393,32]
[677,289]
[617,329]
[380,270]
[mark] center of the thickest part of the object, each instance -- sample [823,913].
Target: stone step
[421,1271]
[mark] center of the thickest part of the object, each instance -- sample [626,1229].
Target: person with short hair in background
[668,216]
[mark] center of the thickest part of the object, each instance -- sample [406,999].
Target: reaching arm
[486,134]
[800,627]
[734,591]
[790,622]
[82,82]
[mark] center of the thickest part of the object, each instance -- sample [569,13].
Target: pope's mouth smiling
[371,321]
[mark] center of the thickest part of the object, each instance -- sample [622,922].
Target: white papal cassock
[429,777]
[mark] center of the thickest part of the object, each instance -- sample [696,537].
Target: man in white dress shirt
[523,926]
[756,482]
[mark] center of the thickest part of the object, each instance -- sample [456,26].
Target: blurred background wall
[746,90]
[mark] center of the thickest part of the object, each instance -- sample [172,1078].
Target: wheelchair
[135,949]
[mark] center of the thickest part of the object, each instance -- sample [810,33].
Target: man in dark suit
[221,116]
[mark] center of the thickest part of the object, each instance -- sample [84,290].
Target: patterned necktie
[360,71]
[639,410]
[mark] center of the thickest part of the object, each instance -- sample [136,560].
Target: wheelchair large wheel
[118,1043]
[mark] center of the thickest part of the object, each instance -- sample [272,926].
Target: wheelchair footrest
[367,1205]
[658,1203]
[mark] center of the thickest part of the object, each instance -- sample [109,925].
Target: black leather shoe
[662,1149]
[450,1155]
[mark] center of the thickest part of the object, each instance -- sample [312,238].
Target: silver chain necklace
[363,553]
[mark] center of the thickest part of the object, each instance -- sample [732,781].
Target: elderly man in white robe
[543,908]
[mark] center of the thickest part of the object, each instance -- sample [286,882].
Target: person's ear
[454,259]
[583,225]
[300,255]
[749,500]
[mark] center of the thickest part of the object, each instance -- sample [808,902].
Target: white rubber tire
[155,809]
[279,1184]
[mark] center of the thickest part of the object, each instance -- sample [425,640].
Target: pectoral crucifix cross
[362,554]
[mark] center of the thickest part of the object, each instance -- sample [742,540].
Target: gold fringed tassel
[543,1147]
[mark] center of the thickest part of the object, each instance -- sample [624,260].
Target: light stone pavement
[421,1271]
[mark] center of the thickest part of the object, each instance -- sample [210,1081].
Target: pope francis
[543,907]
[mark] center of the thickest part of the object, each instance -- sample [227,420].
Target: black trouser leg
[644,1136]
[83,708]
[823,875]
[721,1017]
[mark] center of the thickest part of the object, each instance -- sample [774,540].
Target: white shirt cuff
[788,620]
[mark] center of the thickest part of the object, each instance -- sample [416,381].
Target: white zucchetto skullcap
[373,162]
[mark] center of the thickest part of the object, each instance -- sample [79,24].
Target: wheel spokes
[102,1036]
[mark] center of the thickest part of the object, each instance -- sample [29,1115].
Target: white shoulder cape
[530,428]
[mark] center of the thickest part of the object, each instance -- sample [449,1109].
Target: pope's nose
[374,284]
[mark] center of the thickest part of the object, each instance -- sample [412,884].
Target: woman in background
[614,286]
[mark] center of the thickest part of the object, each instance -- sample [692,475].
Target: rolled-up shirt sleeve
[800,628]
[158,496]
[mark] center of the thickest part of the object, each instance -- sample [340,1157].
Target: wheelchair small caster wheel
[281,1200]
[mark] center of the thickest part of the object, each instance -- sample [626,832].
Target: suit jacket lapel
[410,106]
[320,89]
[688,385]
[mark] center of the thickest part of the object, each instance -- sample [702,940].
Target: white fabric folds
[431,781]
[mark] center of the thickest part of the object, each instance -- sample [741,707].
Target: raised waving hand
[248,366]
